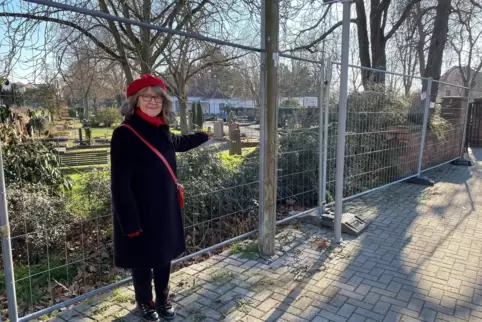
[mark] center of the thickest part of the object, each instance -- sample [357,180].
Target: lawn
[102,132]
[234,161]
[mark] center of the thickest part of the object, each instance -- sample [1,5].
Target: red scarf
[154,120]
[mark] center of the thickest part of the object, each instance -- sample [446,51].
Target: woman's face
[150,102]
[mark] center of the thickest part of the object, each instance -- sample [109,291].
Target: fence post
[462,160]
[267,239]
[426,107]
[462,144]
[340,149]
[426,104]
[262,122]
[326,119]
[7,247]
[321,104]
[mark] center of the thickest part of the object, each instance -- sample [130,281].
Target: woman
[148,228]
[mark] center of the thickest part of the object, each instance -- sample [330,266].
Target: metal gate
[474,125]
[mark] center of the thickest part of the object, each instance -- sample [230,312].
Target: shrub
[34,162]
[199,117]
[290,102]
[107,116]
[220,202]
[92,196]
[39,123]
[72,113]
[37,219]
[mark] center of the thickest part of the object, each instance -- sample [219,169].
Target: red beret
[143,82]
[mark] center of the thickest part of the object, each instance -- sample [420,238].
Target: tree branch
[402,18]
[65,23]
[322,37]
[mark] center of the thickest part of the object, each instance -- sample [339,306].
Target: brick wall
[440,146]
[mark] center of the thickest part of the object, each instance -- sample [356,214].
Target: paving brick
[332,316]
[357,318]
[346,310]
[369,314]
[391,317]
[363,289]
[428,315]
[420,260]
[381,307]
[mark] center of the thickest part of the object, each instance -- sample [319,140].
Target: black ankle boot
[165,309]
[148,311]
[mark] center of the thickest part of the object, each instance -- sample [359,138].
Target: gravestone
[234,141]
[218,130]
[190,122]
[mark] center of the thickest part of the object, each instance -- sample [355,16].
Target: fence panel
[446,126]
[298,159]
[383,131]
[59,196]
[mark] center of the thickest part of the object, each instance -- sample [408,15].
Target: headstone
[218,130]
[190,121]
[80,136]
[235,142]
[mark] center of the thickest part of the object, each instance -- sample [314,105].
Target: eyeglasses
[148,98]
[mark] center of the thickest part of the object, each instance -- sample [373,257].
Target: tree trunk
[437,45]
[86,107]
[363,42]
[378,42]
[422,36]
[183,113]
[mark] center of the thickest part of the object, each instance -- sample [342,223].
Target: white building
[214,105]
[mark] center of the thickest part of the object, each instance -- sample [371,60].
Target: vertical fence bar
[326,119]
[262,119]
[7,248]
[462,144]
[321,104]
[426,108]
[340,149]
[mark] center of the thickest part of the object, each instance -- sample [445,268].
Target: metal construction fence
[57,244]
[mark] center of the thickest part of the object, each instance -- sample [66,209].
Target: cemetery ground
[419,260]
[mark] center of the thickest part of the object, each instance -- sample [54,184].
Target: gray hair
[129,106]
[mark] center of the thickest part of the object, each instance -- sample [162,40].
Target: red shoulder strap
[159,154]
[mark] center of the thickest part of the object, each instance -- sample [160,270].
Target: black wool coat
[144,195]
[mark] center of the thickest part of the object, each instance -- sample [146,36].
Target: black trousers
[142,279]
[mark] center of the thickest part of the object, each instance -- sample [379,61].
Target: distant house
[213,103]
[453,76]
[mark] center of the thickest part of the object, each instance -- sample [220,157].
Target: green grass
[32,284]
[247,249]
[102,132]
[234,161]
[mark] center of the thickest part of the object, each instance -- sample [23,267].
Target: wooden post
[80,137]
[267,236]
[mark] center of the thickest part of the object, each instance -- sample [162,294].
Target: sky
[28,61]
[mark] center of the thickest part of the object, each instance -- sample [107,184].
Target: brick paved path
[419,261]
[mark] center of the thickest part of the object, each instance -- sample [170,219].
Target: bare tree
[466,41]
[187,58]
[82,74]
[373,33]
[405,50]
[136,49]
[433,67]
